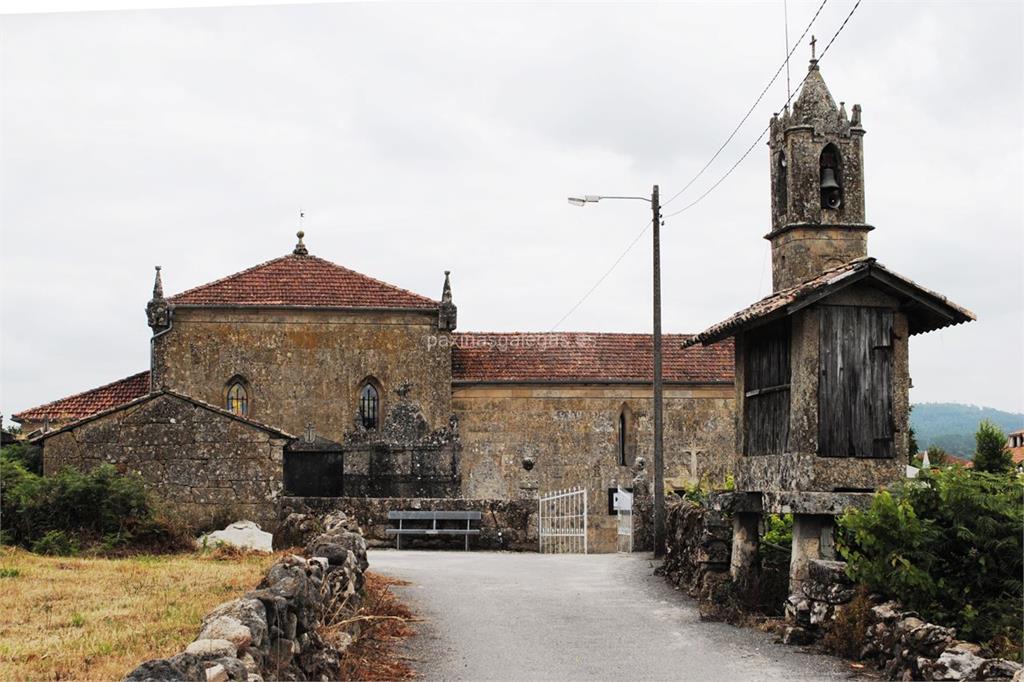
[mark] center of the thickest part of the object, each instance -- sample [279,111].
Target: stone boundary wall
[898,642]
[281,630]
[505,524]
[698,544]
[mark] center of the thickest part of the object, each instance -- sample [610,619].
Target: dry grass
[96,619]
[381,624]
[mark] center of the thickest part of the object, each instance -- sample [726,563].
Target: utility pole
[659,443]
[659,428]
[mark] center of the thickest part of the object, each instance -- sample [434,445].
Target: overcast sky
[420,138]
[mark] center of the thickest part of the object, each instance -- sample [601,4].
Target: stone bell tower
[817,176]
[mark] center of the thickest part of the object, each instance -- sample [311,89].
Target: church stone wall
[306,366]
[200,463]
[569,435]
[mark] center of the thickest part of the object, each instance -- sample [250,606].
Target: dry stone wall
[281,630]
[896,641]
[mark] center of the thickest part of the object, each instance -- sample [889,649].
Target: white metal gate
[624,510]
[562,522]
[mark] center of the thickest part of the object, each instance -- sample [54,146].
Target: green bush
[948,545]
[991,453]
[28,455]
[56,543]
[57,514]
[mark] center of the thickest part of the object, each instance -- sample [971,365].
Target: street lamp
[659,458]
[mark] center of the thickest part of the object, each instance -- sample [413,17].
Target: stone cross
[814,41]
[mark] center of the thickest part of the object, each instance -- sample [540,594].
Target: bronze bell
[830,188]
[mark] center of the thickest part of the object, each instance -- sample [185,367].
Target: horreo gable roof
[926,310]
[302,281]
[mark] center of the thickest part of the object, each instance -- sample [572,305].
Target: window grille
[369,406]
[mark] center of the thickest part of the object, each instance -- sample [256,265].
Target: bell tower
[817,182]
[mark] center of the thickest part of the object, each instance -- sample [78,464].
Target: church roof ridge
[299,280]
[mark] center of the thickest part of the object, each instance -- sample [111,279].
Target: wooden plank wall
[855,382]
[766,386]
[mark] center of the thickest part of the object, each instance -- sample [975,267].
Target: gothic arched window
[369,406]
[237,400]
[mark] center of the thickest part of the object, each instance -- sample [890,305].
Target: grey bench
[421,517]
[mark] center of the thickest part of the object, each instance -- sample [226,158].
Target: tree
[991,453]
[937,457]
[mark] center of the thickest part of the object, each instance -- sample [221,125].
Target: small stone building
[386,400]
[822,373]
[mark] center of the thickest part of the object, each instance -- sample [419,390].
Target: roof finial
[158,285]
[814,41]
[300,248]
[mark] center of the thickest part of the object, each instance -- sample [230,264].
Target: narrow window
[369,406]
[238,398]
[781,185]
[622,439]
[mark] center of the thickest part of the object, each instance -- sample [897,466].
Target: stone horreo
[299,379]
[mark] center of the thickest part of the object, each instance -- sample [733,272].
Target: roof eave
[926,310]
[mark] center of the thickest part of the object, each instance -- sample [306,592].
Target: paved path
[507,616]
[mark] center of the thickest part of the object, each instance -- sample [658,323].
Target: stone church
[300,377]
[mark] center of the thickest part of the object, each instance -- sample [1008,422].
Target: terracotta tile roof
[301,281]
[584,357]
[87,403]
[145,397]
[926,310]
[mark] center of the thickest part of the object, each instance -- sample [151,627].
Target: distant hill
[951,426]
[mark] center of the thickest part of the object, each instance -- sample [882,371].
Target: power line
[743,120]
[746,153]
[647,226]
[765,131]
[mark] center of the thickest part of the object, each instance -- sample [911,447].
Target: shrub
[948,545]
[28,455]
[57,514]
[991,453]
[56,543]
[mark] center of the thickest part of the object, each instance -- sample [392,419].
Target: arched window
[369,406]
[237,401]
[830,169]
[622,439]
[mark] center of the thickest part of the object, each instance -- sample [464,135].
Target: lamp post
[659,458]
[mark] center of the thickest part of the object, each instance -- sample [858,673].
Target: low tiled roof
[926,310]
[301,281]
[156,394]
[584,357]
[90,402]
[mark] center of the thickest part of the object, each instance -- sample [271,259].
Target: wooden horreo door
[855,382]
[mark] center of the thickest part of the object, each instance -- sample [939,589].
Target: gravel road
[507,616]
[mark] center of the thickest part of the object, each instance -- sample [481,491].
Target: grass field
[96,619]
